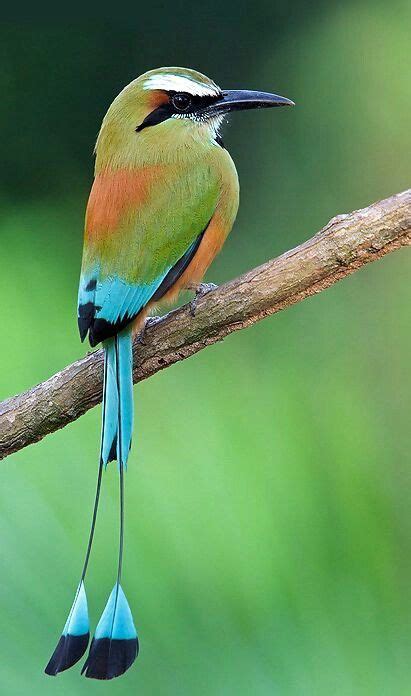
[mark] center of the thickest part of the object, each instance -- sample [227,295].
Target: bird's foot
[150,321]
[200,291]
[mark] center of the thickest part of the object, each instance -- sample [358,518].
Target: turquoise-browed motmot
[164,198]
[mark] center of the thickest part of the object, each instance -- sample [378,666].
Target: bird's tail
[115,644]
[117,399]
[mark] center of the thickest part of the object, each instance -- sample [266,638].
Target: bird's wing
[142,230]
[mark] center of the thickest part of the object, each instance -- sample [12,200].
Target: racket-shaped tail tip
[74,638]
[115,644]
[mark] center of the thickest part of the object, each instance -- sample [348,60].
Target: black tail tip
[70,649]
[110,658]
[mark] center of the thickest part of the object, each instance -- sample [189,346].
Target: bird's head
[164,113]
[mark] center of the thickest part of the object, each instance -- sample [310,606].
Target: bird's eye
[181,101]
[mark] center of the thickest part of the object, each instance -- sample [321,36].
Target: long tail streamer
[115,644]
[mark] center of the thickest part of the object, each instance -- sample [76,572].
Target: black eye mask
[179,103]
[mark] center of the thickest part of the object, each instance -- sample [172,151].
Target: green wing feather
[123,267]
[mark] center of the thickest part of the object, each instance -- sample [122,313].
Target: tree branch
[343,246]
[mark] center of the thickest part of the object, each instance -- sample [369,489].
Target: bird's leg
[150,321]
[200,291]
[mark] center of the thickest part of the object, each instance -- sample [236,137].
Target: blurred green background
[268,538]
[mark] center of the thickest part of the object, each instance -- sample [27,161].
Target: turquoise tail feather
[115,644]
[118,398]
[74,638]
[111,654]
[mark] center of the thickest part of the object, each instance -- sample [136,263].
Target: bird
[164,198]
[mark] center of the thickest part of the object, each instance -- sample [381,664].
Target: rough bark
[343,246]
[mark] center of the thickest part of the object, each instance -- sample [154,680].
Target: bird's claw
[200,291]
[150,321]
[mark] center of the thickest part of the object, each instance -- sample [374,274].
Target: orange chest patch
[113,194]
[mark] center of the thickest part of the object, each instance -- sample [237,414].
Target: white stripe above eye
[178,83]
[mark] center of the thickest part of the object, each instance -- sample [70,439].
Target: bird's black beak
[241,99]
